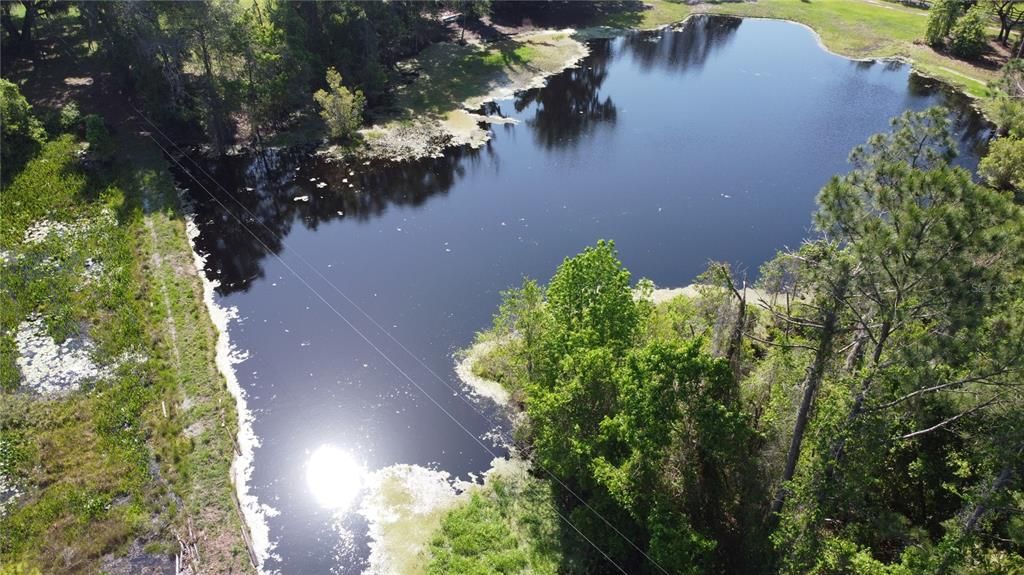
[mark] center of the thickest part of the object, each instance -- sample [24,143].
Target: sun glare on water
[335,478]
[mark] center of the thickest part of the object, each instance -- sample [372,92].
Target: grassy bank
[508,525]
[863,29]
[450,74]
[117,468]
[452,78]
[853,28]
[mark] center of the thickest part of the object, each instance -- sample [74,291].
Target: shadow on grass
[618,14]
[450,73]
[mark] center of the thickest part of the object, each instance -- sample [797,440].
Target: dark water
[710,142]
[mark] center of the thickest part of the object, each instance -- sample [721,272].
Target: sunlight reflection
[334,477]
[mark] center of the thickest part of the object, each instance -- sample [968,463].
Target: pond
[354,285]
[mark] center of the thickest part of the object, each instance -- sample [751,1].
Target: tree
[341,109]
[22,39]
[941,16]
[828,275]
[648,433]
[913,222]
[475,9]
[591,301]
[1007,101]
[967,38]
[22,133]
[276,75]
[1003,165]
[930,254]
[521,323]
[1010,14]
[669,450]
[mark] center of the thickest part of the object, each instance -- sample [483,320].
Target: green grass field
[869,29]
[853,28]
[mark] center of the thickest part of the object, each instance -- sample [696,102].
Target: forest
[855,410]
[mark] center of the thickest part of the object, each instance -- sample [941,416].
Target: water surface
[706,142]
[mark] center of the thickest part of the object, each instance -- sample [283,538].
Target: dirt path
[172,328]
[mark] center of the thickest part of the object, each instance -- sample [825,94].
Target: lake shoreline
[490,392]
[976,102]
[429,135]
[253,514]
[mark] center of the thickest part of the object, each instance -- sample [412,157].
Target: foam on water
[255,513]
[403,506]
[478,385]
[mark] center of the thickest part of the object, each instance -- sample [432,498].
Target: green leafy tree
[341,109]
[671,447]
[591,301]
[968,37]
[22,133]
[276,75]
[522,324]
[649,433]
[1003,165]
[942,14]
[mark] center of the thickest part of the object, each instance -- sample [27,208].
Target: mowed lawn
[854,28]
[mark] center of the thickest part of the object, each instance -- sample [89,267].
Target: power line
[374,346]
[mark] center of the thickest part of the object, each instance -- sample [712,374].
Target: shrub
[1003,166]
[968,34]
[341,109]
[21,133]
[70,117]
[98,137]
[941,17]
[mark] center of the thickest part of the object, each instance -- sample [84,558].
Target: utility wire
[383,330]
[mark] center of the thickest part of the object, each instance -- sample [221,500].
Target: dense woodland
[858,411]
[222,67]
[223,72]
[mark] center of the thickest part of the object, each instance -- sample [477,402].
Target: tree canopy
[862,415]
